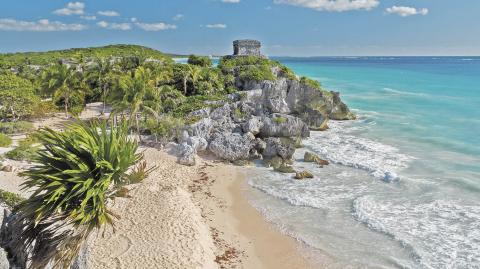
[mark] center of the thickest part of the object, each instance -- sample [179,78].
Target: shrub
[10,199]
[279,120]
[310,82]
[17,98]
[78,171]
[16,127]
[167,127]
[202,61]
[5,140]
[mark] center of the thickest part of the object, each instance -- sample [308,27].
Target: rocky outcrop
[279,147]
[265,120]
[313,158]
[303,175]
[232,146]
[281,125]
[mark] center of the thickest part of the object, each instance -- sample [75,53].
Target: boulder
[282,147]
[197,143]
[303,175]
[186,154]
[202,128]
[274,162]
[281,125]
[313,158]
[340,110]
[285,168]
[253,125]
[231,146]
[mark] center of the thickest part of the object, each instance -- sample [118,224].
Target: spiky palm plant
[77,172]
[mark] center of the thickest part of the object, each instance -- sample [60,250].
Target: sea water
[403,187]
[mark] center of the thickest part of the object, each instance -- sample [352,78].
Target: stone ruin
[247,47]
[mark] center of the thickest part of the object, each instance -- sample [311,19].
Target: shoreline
[264,245]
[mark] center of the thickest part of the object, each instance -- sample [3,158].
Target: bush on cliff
[202,61]
[78,171]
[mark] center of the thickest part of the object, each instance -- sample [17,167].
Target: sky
[285,27]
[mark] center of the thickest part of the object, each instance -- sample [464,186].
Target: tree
[17,98]
[78,171]
[202,61]
[137,95]
[64,83]
[105,77]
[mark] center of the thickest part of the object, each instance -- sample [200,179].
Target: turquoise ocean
[403,189]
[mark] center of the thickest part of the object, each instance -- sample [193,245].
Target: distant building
[247,47]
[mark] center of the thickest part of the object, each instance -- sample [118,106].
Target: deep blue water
[404,187]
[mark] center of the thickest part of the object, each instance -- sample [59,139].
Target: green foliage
[203,61]
[81,54]
[238,113]
[16,127]
[67,87]
[10,199]
[197,102]
[26,149]
[17,98]
[5,140]
[310,82]
[167,127]
[247,67]
[78,171]
[279,120]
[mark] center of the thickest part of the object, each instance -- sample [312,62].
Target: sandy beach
[191,217]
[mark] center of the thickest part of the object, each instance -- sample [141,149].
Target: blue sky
[285,27]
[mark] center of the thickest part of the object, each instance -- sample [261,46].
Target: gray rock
[202,128]
[186,154]
[197,143]
[203,113]
[231,147]
[253,125]
[281,147]
[281,125]
[274,96]
[221,112]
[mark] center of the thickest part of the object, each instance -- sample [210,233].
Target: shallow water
[403,190]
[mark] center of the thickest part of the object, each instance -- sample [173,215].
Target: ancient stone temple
[246,47]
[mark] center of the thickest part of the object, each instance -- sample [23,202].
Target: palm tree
[64,83]
[137,95]
[103,73]
[78,171]
[195,74]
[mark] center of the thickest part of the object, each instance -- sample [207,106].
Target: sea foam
[339,146]
[441,233]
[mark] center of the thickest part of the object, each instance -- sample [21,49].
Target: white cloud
[72,8]
[89,18]
[216,26]
[133,19]
[406,11]
[178,17]
[231,1]
[109,13]
[158,26]
[38,26]
[331,5]
[115,26]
